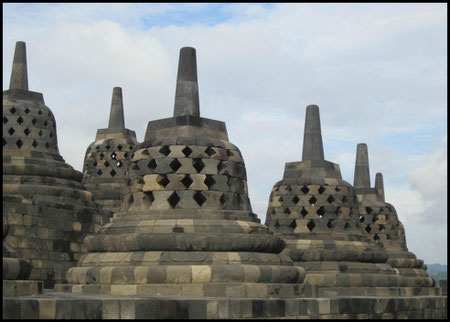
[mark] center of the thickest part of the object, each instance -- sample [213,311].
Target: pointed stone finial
[379,186]
[362,174]
[116,119]
[312,138]
[186,95]
[19,76]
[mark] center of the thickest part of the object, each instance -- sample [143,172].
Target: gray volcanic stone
[186,209]
[44,204]
[380,222]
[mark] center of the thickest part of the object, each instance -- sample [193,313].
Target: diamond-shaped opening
[175,165]
[187,151]
[51,134]
[47,145]
[280,199]
[163,181]
[368,210]
[347,225]
[330,199]
[287,211]
[361,218]
[368,229]
[45,123]
[99,172]
[97,147]
[321,190]
[34,121]
[149,196]
[27,110]
[173,199]
[220,166]
[40,133]
[295,200]
[376,237]
[106,164]
[94,164]
[209,181]
[288,188]
[20,120]
[312,201]
[40,112]
[152,164]
[107,147]
[19,143]
[320,212]
[293,224]
[11,131]
[277,224]
[101,155]
[198,165]
[311,225]
[112,173]
[187,181]
[330,224]
[164,150]
[119,164]
[5,120]
[113,155]
[381,227]
[119,147]
[304,212]
[374,219]
[34,144]
[199,198]
[4,142]
[229,153]
[222,199]
[210,151]
[125,155]
[337,211]
[337,189]
[304,189]
[344,199]
[388,237]
[12,110]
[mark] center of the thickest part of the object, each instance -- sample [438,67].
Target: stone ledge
[56,305]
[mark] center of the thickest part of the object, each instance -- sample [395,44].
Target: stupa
[186,226]
[381,223]
[107,159]
[316,211]
[46,209]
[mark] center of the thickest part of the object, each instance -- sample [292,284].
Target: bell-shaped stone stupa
[108,158]
[186,227]
[380,221]
[47,210]
[316,211]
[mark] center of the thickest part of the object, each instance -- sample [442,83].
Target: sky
[378,73]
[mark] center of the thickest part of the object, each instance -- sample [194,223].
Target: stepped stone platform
[108,158]
[45,206]
[381,223]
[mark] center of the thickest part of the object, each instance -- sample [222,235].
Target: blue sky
[377,72]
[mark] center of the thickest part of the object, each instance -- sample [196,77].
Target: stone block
[212,309]
[201,273]
[124,289]
[127,309]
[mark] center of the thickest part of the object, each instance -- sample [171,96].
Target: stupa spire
[19,77]
[379,186]
[186,95]
[362,174]
[116,118]
[312,139]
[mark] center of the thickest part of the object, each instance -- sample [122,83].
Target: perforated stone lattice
[187,176]
[312,208]
[29,127]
